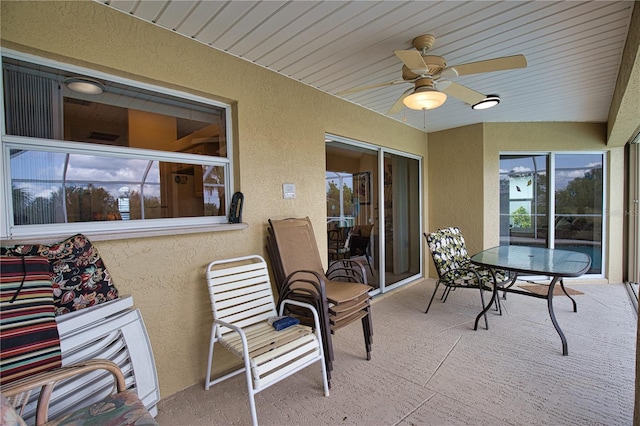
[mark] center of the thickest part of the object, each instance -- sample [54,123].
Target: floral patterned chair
[454,267]
[122,407]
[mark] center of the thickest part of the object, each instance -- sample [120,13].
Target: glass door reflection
[350,185]
[553,200]
[401,218]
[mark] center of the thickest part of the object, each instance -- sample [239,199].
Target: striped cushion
[29,339]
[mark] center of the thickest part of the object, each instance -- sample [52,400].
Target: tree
[333,200]
[21,201]
[90,203]
[152,206]
[521,218]
[583,195]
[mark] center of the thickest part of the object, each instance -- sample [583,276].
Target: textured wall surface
[469,200]
[456,198]
[278,137]
[557,136]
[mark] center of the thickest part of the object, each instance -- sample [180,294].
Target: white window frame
[551,189]
[111,229]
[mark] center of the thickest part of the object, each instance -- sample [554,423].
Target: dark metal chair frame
[340,294]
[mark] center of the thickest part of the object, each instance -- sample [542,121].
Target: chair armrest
[306,279]
[241,333]
[47,380]
[349,270]
[307,286]
[233,327]
[313,310]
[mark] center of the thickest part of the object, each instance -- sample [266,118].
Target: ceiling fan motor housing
[424,42]
[423,84]
[435,65]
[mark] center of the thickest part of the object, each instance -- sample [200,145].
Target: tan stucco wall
[544,137]
[455,180]
[279,137]
[469,200]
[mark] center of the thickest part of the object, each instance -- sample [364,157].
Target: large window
[119,155]
[553,200]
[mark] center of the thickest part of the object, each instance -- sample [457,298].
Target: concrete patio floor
[435,369]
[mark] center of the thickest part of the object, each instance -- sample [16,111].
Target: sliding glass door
[579,205]
[401,218]
[524,199]
[553,200]
[373,210]
[351,183]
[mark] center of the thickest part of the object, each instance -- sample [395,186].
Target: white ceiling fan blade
[413,60]
[461,92]
[371,86]
[490,65]
[397,107]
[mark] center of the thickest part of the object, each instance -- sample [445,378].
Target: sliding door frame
[632,224]
[381,151]
[551,190]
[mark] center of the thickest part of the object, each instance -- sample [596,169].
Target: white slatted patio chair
[242,302]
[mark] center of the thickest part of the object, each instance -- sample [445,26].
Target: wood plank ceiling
[573,49]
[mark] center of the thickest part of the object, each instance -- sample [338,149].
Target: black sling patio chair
[455,270]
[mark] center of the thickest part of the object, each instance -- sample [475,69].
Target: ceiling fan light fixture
[488,102]
[424,98]
[84,85]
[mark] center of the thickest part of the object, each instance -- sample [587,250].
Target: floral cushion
[123,408]
[454,267]
[80,278]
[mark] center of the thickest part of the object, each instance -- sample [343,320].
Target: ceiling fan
[431,76]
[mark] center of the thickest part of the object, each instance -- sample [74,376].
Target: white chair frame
[242,301]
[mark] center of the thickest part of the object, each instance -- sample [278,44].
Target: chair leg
[325,374]
[212,342]
[366,330]
[325,331]
[369,262]
[445,293]
[498,305]
[432,296]
[486,323]
[318,333]
[370,323]
[252,400]
[365,333]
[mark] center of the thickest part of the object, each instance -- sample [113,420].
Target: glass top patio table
[534,261]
